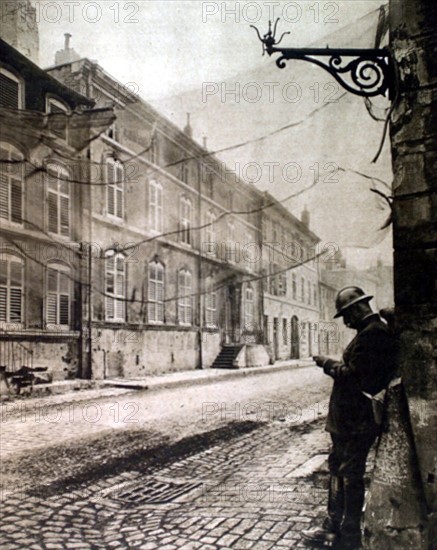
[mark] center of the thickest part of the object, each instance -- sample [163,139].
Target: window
[210,306]
[309,293]
[302,289]
[11,90]
[248,308]
[264,228]
[294,285]
[231,245]
[155,206]
[112,132]
[282,283]
[11,183]
[154,151]
[210,235]
[156,293]
[11,289]
[58,297]
[185,220]
[115,287]
[58,199]
[184,172]
[315,301]
[284,332]
[185,298]
[58,122]
[114,187]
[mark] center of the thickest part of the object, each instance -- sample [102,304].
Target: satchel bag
[378,405]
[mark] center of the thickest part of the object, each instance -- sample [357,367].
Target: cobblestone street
[240,464]
[256,491]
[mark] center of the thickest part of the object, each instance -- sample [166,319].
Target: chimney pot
[67,37]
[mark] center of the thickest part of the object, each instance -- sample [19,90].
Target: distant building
[291,283]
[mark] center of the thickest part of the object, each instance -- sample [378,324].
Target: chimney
[19,28]
[67,37]
[188,130]
[305,217]
[205,142]
[67,55]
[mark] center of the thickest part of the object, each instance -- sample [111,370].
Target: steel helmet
[347,297]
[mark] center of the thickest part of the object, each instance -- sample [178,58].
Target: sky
[170,51]
[169,46]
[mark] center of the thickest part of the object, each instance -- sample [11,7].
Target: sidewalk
[78,390]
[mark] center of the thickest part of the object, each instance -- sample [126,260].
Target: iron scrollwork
[364,72]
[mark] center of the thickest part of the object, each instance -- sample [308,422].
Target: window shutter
[119,201]
[3,303]
[4,196]
[16,201]
[52,309]
[9,92]
[15,306]
[53,212]
[64,309]
[65,215]
[111,200]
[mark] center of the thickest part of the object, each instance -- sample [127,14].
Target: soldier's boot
[330,528]
[350,532]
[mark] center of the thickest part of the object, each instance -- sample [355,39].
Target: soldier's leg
[353,468]
[330,528]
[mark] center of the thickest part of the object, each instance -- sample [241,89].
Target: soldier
[367,368]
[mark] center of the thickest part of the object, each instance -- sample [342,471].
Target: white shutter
[4,193]
[119,200]
[3,303]
[52,309]
[111,199]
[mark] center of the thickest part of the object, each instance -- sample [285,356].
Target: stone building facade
[41,216]
[171,283]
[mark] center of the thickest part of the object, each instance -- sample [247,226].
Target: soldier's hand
[320,360]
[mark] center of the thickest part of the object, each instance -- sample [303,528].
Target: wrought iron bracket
[364,72]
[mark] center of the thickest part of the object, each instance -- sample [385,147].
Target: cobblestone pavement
[257,491]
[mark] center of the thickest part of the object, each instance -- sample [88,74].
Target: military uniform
[368,365]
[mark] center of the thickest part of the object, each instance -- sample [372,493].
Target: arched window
[185,298]
[11,288]
[58,199]
[11,183]
[185,220]
[302,289]
[156,290]
[210,305]
[155,206]
[58,295]
[11,90]
[115,179]
[115,287]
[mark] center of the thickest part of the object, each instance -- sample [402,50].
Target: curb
[214,375]
[159,382]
